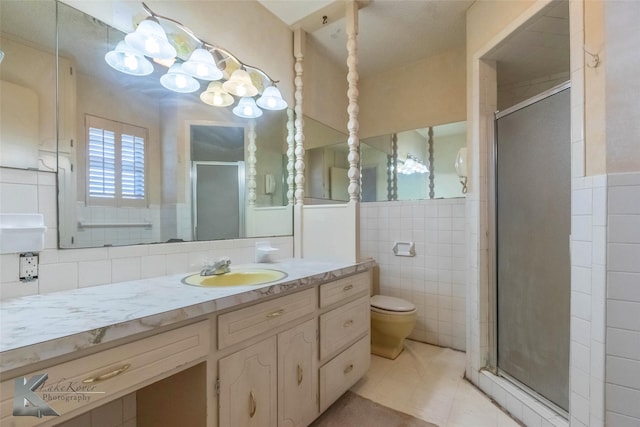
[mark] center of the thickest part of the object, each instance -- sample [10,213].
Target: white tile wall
[434,279]
[74,268]
[588,284]
[623,301]
[93,237]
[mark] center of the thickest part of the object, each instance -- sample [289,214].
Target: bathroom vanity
[269,355]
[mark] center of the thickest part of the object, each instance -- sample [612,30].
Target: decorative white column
[393,170]
[298,47]
[290,157]
[251,163]
[352,93]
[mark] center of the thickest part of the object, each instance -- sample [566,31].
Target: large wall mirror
[193,171]
[413,165]
[409,165]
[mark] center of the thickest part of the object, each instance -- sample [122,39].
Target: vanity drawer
[333,292]
[343,371]
[96,378]
[342,325]
[239,325]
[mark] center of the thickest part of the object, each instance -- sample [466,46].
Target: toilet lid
[391,303]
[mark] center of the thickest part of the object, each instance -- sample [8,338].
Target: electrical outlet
[28,266]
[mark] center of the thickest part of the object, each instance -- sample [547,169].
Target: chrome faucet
[219,267]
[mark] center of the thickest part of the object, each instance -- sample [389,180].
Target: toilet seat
[386,304]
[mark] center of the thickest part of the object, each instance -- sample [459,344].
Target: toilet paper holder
[404,249]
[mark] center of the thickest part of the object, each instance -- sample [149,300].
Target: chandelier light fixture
[150,39]
[412,165]
[128,60]
[247,108]
[206,62]
[178,80]
[216,96]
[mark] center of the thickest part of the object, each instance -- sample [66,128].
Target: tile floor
[427,382]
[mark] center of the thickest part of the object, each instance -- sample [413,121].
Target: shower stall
[532,232]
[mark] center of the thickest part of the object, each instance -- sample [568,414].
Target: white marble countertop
[40,327]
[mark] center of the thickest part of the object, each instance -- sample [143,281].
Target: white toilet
[392,320]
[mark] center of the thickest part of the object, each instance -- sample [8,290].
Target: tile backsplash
[433,280]
[623,300]
[23,191]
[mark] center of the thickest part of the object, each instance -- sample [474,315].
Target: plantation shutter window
[102,163]
[116,172]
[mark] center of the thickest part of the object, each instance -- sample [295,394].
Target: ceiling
[393,33]
[540,47]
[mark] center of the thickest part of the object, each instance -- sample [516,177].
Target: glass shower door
[533,223]
[218,200]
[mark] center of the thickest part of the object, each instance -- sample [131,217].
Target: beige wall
[594,90]
[325,87]
[102,100]
[486,18]
[622,64]
[267,45]
[426,93]
[40,78]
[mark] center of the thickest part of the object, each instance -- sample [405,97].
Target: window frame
[118,128]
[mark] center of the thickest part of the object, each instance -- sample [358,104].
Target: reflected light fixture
[412,165]
[240,84]
[150,39]
[247,108]
[127,60]
[179,81]
[216,96]
[149,42]
[1,55]
[202,66]
[165,62]
[271,99]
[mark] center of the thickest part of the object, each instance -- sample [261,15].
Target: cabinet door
[248,386]
[298,375]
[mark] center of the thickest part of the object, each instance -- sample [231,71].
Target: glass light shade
[240,84]
[179,81]
[271,99]
[151,40]
[127,60]
[412,165]
[216,96]
[202,66]
[1,56]
[165,62]
[247,108]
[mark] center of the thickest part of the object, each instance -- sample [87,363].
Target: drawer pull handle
[252,405]
[275,313]
[348,323]
[347,288]
[348,369]
[108,375]
[300,374]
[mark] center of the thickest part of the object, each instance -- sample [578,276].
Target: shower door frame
[492,210]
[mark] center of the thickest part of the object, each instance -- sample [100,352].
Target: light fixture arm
[206,44]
